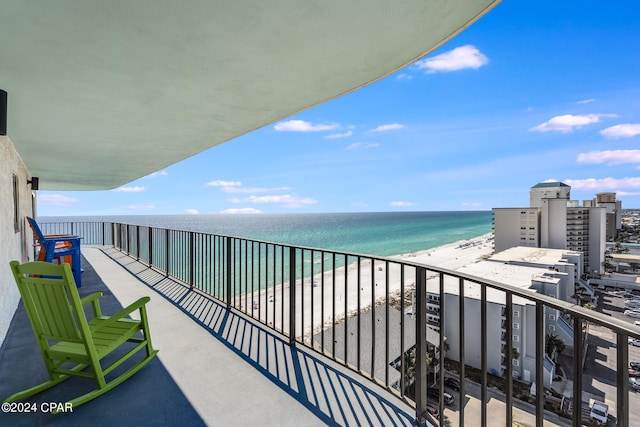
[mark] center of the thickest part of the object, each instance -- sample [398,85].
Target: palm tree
[554,345]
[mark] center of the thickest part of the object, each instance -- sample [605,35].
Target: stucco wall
[13,243]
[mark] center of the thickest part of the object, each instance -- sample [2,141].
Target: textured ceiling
[103,92]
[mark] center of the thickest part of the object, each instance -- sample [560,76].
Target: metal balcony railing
[369,313]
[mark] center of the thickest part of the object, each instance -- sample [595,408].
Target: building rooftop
[550,185]
[541,256]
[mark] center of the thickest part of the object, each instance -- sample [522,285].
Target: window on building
[552,317]
[516,362]
[516,326]
[516,338]
[552,328]
[516,313]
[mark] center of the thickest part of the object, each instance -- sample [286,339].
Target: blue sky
[534,91]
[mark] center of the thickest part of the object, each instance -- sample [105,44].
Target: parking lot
[599,376]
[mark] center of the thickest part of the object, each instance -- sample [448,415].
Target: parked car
[433,410]
[452,383]
[634,373]
[434,393]
[632,313]
[634,383]
[635,365]
[634,342]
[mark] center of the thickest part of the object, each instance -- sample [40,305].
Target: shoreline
[351,289]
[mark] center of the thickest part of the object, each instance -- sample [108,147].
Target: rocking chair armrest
[137,305]
[95,303]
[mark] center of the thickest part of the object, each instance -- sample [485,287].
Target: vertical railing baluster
[137,243]
[509,359]
[483,354]
[292,295]
[421,345]
[402,326]
[346,311]
[461,332]
[192,260]
[387,362]
[441,338]
[358,318]
[228,275]
[622,360]
[373,320]
[166,251]
[577,369]
[150,237]
[539,364]
[333,305]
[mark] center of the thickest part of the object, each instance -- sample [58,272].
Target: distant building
[552,272]
[555,221]
[614,213]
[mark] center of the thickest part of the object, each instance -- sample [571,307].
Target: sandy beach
[324,299]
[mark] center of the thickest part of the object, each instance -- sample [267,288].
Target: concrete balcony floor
[215,367]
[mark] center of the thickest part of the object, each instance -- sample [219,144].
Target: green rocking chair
[70,343]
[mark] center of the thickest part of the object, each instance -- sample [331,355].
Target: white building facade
[554,221]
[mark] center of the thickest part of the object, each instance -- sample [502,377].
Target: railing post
[292,295]
[421,345]
[229,275]
[577,369]
[166,249]
[192,261]
[539,364]
[622,356]
[137,243]
[150,239]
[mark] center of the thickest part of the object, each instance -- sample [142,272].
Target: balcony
[253,349]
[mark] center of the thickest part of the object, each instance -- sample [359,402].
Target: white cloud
[241,211]
[404,76]
[220,183]
[568,122]
[462,57]
[286,200]
[602,184]
[586,101]
[129,189]
[626,130]
[157,174]
[357,145]
[55,200]
[247,190]
[140,207]
[388,127]
[611,157]
[627,193]
[303,126]
[402,204]
[339,135]
[191,212]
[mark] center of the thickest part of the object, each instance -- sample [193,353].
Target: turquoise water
[381,233]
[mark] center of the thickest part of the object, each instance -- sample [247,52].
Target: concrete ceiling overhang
[103,92]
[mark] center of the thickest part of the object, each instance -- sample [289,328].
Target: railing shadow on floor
[329,392]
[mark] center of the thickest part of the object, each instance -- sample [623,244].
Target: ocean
[379,233]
